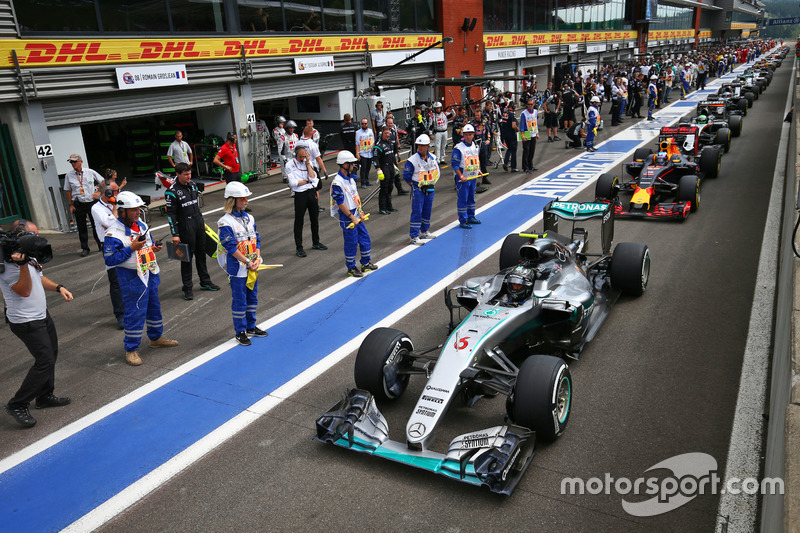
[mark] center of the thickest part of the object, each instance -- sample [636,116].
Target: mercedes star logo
[416,430]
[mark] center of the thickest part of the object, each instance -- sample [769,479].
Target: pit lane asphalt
[660,378]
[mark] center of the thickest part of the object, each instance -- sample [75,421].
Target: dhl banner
[502,40]
[743,26]
[670,34]
[47,52]
[704,34]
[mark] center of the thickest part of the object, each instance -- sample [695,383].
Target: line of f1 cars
[520,324]
[666,184]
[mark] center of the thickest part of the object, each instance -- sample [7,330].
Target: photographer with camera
[104,215]
[23,286]
[84,187]
[129,246]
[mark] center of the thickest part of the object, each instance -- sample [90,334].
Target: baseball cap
[74,158]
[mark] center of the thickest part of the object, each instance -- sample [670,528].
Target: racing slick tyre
[750,97]
[641,154]
[742,105]
[710,160]
[735,123]
[689,191]
[629,269]
[542,396]
[723,137]
[384,352]
[509,252]
[606,187]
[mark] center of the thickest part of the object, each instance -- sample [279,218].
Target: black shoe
[51,401]
[300,252]
[384,212]
[369,267]
[256,332]
[401,192]
[485,182]
[534,169]
[321,209]
[318,246]
[209,286]
[84,253]
[556,138]
[549,139]
[21,415]
[242,339]
[392,210]
[354,272]
[187,294]
[514,170]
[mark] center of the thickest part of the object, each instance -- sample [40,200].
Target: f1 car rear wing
[684,136]
[577,211]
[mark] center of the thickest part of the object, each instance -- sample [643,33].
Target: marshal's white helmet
[469,128]
[345,157]
[423,139]
[437,105]
[129,200]
[291,124]
[237,189]
[595,99]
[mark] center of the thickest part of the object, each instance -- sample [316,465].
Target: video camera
[22,241]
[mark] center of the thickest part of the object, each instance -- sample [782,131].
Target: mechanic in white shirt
[303,181]
[365,140]
[179,151]
[83,187]
[104,215]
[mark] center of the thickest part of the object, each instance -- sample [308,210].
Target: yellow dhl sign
[670,34]
[704,34]
[743,26]
[503,40]
[56,52]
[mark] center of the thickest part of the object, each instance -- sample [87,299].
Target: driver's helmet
[726,94]
[519,283]
[702,119]
[661,158]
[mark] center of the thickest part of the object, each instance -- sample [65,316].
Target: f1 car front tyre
[689,191]
[723,137]
[606,187]
[710,160]
[542,397]
[735,123]
[629,269]
[379,362]
[509,252]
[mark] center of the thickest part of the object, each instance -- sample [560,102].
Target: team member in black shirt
[187,227]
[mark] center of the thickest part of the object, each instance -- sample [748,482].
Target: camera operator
[23,286]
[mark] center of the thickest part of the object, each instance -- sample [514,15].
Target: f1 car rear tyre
[710,159]
[723,138]
[735,123]
[542,397]
[509,252]
[381,356]
[689,191]
[629,269]
[750,97]
[641,154]
[742,105]
[606,187]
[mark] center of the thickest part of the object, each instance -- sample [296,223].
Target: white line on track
[737,512]
[130,495]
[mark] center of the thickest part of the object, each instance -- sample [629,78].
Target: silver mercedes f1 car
[548,300]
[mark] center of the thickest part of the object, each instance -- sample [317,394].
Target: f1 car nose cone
[416,430]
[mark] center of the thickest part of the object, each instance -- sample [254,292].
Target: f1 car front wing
[496,457]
